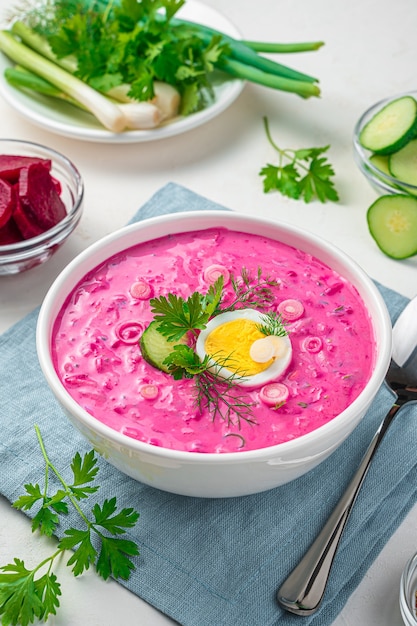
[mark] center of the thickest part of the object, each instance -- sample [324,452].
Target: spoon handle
[303,590]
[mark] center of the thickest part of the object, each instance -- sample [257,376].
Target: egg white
[273,372]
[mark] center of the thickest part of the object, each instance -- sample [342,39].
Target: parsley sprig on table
[300,174]
[29,594]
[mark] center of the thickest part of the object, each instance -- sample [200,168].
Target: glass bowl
[23,255]
[376,172]
[408,588]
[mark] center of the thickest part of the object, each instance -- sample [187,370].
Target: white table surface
[370,53]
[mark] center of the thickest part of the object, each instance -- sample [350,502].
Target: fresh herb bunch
[27,594]
[108,44]
[300,174]
[131,43]
[177,316]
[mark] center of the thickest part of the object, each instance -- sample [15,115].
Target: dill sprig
[222,400]
[251,291]
[215,393]
[272,324]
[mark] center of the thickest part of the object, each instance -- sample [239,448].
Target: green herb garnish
[221,397]
[251,291]
[272,324]
[176,317]
[213,392]
[300,174]
[26,595]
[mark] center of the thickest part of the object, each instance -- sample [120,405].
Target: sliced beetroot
[9,233]
[27,226]
[57,184]
[6,202]
[11,164]
[38,197]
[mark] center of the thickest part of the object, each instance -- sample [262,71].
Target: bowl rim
[380,178]
[72,272]
[407,572]
[20,249]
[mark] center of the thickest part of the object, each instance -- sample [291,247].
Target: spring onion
[109,114]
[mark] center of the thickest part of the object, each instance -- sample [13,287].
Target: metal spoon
[303,590]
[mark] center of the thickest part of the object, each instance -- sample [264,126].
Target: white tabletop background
[370,53]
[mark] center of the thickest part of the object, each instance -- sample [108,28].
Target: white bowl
[213,474]
[408,590]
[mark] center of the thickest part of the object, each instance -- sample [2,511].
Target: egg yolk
[232,342]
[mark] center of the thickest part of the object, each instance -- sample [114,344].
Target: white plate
[64,119]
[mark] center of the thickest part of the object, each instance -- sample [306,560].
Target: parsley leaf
[177,316]
[114,558]
[184,362]
[300,174]
[84,555]
[26,595]
[23,598]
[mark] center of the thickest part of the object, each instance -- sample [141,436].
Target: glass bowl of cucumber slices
[385,150]
[41,203]
[385,144]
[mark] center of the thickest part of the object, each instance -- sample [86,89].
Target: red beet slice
[11,164]
[6,202]
[39,199]
[27,226]
[9,233]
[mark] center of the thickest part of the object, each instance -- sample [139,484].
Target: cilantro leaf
[301,174]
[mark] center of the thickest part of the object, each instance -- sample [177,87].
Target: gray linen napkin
[214,562]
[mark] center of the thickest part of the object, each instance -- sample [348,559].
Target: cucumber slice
[392,127]
[403,164]
[380,161]
[155,347]
[392,222]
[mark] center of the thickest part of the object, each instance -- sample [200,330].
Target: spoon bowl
[303,590]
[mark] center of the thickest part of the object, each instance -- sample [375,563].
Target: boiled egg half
[238,348]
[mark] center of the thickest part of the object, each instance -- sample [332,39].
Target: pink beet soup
[97,355]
